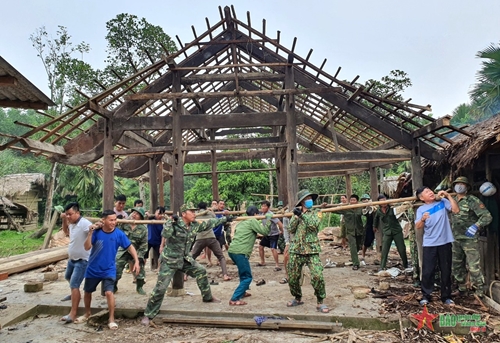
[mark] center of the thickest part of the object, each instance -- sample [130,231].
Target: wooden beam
[94,107]
[230,77]
[338,167]
[153,184]
[7,80]
[259,130]
[108,194]
[42,146]
[291,135]
[388,156]
[306,175]
[231,156]
[35,105]
[431,127]
[205,121]
[235,93]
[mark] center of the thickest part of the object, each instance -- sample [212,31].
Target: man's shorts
[221,240]
[108,284]
[75,272]
[270,241]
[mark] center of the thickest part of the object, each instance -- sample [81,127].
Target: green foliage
[397,81]
[15,243]
[486,92]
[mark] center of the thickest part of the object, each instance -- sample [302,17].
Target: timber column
[153,185]
[373,196]
[417,182]
[215,178]
[292,175]
[177,181]
[108,194]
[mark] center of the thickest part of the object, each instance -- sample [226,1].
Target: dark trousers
[440,255]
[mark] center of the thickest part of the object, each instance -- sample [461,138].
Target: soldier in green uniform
[304,250]
[353,230]
[138,236]
[180,233]
[385,220]
[473,216]
[414,249]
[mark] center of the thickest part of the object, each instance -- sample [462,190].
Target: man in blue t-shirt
[432,217]
[154,237]
[104,239]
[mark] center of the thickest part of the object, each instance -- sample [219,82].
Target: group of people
[99,252]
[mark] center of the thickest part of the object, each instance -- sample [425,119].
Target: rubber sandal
[284,281]
[323,308]
[261,282]
[237,303]
[213,283]
[277,269]
[66,298]
[294,303]
[113,326]
[246,295]
[67,319]
[260,265]
[81,320]
[355,267]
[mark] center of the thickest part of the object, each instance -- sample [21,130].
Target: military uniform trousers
[400,245]
[123,260]
[355,245]
[466,253]
[166,274]
[414,254]
[294,269]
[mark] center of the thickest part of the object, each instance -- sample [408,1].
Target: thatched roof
[18,184]
[484,135]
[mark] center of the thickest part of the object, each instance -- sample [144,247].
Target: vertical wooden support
[291,137]
[417,182]
[108,194]
[153,185]
[373,183]
[215,178]
[177,180]
[348,185]
[161,188]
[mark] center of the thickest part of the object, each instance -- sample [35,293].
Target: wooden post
[348,185]
[373,183]
[417,182]
[292,168]
[153,185]
[215,178]
[161,189]
[108,194]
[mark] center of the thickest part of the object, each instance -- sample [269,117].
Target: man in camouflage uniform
[354,230]
[414,249]
[304,250]
[180,233]
[138,236]
[473,216]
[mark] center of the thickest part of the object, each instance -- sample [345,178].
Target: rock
[32,287]
[51,276]
[384,285]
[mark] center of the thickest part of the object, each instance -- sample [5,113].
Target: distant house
[19,198]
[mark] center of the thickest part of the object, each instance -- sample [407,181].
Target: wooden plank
[231,156]
[204,121]
[388,156]
[7,80]
[43,258]
[35,105]
[235,93]
[230,77]
[431,127]
[259,130]
[94,107]
[42,146]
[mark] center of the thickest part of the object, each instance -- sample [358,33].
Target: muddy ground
[266,300]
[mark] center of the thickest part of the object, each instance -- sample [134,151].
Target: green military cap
[303,193]
[365,196]
[139,210]
[187,207]
[280,204]
[462,179]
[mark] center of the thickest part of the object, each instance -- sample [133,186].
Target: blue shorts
[108,284]
[270,241]
[75,272]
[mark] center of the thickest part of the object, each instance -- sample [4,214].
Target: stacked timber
[35,259]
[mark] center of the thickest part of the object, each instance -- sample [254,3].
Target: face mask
[308,203]
[460,189]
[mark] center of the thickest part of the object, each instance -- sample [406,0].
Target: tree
[397,81]
[486,92]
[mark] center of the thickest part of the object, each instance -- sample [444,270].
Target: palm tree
[486,92]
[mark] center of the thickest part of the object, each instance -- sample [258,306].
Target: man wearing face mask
[472,217]
[304,250]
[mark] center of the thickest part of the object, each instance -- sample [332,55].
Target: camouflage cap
[139,210]
[280,204]
[462,179]
[365,196]
[303,193]
[187,207]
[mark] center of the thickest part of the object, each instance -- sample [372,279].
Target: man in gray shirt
[270,241]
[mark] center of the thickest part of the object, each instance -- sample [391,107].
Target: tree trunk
[48,204]
[271,184]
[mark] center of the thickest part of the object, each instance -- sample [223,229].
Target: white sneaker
[363,263]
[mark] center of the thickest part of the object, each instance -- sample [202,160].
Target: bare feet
[145,321]
[227,277]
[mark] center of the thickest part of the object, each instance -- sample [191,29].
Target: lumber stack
[20,263]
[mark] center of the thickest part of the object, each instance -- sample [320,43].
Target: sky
[434,42]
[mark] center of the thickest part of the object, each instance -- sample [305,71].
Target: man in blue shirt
[432,217]
[154,237]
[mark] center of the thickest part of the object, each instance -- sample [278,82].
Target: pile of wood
[40,258]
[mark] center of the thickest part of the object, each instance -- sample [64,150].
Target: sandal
[246,295]
[355,267]
[277,269]
[81,319]
[261,265]
[284,281]
[67,319]
[261,282]
[294,303]
[323,308]
[227,278]
[113,326]
[237,303]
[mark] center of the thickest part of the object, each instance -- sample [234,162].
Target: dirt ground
[266,300]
